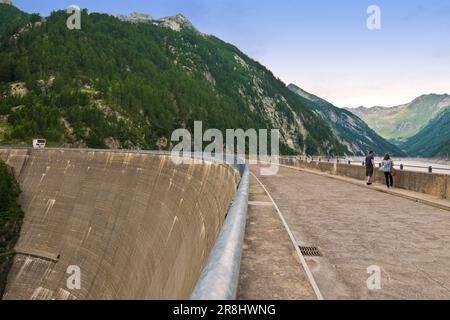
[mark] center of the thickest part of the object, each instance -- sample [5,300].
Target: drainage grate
[310,251]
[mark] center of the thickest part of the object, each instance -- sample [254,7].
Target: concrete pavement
[420,197]
[270,266]
[355,228]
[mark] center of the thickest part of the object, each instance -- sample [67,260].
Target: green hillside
[348,127]
[433,140]
[129,85]
[128,82]
[403,122]
[11,19]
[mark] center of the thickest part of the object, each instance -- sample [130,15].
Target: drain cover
[310,251]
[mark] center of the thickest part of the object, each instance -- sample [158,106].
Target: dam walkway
[348,231]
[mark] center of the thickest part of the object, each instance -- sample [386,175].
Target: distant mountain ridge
[404,121]
[176,23]
[349,128]
[420,128]
[135,17]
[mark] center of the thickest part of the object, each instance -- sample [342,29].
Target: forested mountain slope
[11,18]
[433,140]
[123,84]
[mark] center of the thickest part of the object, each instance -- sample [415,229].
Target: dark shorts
[369,172]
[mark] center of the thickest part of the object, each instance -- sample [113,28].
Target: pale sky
[323,46]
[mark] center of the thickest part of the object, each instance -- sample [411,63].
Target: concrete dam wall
[137,225]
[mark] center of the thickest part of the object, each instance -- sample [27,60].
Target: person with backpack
[388,169]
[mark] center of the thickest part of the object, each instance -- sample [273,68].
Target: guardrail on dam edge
[219,279]
[123,267]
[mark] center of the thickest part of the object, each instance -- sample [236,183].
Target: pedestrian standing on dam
[388,169]
[370,165]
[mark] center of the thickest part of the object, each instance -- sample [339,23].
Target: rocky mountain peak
[7,2]
[135,17]
[177,22]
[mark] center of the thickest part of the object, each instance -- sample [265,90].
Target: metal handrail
[220,277]
[342,160]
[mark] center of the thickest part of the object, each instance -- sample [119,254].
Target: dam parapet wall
[433,184]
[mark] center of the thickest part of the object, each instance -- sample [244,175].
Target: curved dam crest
[137,225]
